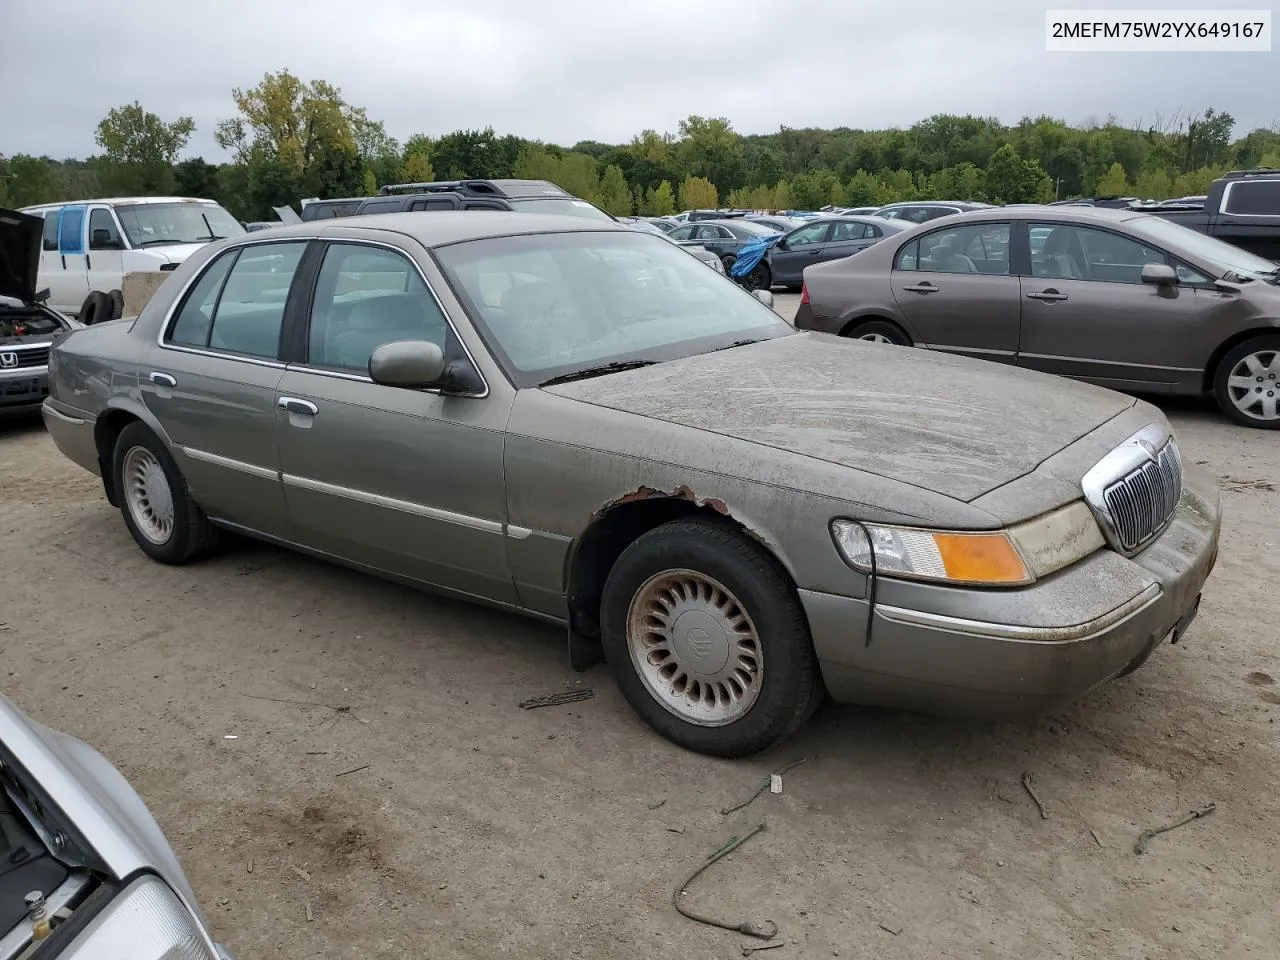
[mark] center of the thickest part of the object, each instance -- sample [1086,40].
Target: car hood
[176,252]
[19,254]
[952,425]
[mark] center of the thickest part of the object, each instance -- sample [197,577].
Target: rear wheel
[707,639]
[880,331]
[161,516]
[1247,383]
[96,308]
[117,304]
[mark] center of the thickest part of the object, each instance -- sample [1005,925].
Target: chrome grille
[1142,501]
[26,356]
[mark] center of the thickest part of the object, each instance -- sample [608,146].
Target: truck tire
[117,304]
[96,308]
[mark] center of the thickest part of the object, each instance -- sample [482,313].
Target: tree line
[291,139]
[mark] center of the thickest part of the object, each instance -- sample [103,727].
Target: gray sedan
[831,238]
[578,422]
[1115,297]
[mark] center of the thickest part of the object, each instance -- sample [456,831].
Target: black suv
[525,196]
[328,209]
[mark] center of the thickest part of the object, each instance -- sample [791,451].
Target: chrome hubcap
[695,647]
[147,493]
[1254,385]
[875,338]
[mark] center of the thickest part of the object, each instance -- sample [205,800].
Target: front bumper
[1009,653]
[23,387]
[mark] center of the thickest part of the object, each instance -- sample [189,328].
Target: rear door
[955,286]
[847,238]
[69,285]
[797,250]
[211,381]
[1086,312]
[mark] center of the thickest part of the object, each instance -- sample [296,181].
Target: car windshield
[566,206]
[1227,257]
[154,224]
[550,305]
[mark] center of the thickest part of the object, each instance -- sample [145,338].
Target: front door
[69,285]
[956,288]
[799,248]
[212,383]
[405,481]
[1086,312]
[105,260]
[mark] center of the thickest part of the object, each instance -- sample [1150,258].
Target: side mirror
[407,363]
[1160,275]
[764,296]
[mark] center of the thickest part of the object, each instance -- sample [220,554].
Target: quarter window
[365,297]
[238,304]
[1070,252]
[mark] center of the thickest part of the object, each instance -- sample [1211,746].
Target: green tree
[710,149]
[615,195]
[1154,185]
[659,201]
[416,164]
[465,154]
[1113,183]
[698,193]
[1011,179]
[196,178]
[29,180]
[379,152]
[139,149]
[1195,182]
[289,121]
[862,190]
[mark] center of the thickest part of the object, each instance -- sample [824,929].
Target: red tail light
[804,293]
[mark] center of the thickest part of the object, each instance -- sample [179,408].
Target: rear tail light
[804,293]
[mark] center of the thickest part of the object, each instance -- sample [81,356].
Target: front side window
[1071,252]
[682,233]
[365,297]
[813,233]
[103,233]
[158,224]
[238,304]
[553,304]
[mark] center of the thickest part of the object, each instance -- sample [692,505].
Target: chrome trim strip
[1138,366]
[1013,632]
[212,458]
[518,533]
[985,351]
[224,355]
[75,421]
[391,503]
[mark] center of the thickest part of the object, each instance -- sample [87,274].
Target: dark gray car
[1116,297]
[821,240]
[579,422]
[724,238]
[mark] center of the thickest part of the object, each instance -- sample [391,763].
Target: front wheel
[707,639]
[760,277]
[1247,383]
[161,516]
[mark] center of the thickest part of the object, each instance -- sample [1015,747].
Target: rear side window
[389,205]
[238,304]
[1259,198]
[50,241]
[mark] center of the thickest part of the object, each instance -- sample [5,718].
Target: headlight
[145,922]
[1011,557]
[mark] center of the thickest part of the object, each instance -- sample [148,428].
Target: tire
[1250,373]
[709,568]
[760,277]
[189,534]
[117,304]
[880,331]
[96,308]
[727,262]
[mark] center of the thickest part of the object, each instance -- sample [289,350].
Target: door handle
[1047,296]
[925,287]
[294,405]
[162,379]
[88,264]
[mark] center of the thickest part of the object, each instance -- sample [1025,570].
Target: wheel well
[105,433]
[599,548]
[856,322]
[1226,346]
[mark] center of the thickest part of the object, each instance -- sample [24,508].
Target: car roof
[439,228]
[1033,211]
[122,201]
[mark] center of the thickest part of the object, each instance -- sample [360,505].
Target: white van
[90,245]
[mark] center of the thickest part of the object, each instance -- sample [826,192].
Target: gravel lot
[476,829]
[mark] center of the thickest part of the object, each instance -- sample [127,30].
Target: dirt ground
[475,829]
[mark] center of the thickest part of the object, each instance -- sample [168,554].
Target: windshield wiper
[737,343]
[596,371]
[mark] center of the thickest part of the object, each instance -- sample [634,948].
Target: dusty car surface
[85,871]
[1116,297]
[580,422]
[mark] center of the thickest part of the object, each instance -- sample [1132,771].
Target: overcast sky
[569,70]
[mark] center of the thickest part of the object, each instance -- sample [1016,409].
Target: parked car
[573,420]
[724,238]
[28,328]
[780,223]
[1111,202]
[665,224]
[821,240]
[254,226]
[1242,208]
[88,246]
[724,214]
[701,253]
[86,870]
[1115,297]
[857,211]
[920,211]
[524,196]
[316,209]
